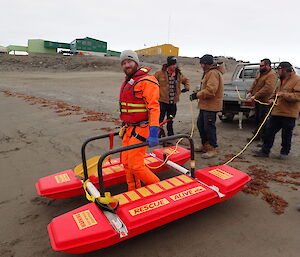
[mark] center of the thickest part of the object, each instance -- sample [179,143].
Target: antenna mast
[169,25]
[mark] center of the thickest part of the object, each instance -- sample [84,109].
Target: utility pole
[169,27]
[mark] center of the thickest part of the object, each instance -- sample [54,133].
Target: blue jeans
[206,124]
[275,123]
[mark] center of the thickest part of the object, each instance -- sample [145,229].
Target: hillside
[60,63]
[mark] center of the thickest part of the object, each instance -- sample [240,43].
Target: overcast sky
[248,30]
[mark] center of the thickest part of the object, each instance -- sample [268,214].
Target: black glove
[193,96]
[184,90]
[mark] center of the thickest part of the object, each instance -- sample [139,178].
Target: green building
[52,44]
[79,45]
[15,48]
[38,46]
[88,44]
[113,53]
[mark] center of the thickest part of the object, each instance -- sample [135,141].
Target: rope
[177,143]
[246,146]
[255,100]
[260,127]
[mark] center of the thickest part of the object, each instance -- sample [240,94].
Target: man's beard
[205,68]
[262,71]
[282,76]
[130,71]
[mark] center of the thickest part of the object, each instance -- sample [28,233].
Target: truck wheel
[226,117]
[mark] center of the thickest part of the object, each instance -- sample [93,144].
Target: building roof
[91,39]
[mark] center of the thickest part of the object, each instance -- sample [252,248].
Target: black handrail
[130,147]
[83,156]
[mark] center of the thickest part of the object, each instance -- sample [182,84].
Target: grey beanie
[130,55]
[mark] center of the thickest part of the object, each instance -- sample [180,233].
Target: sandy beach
[47,114]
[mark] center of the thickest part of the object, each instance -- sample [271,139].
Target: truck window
[297,70]
[248,73]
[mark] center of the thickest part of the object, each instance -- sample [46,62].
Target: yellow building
[165,49]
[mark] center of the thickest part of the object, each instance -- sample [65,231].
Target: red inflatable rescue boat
[93,226]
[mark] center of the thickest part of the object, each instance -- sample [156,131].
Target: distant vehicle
[67,52]
[242,77]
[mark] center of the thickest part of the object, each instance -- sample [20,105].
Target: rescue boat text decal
[84,219]
[148,207]
[62,178]
[187,193]
[220,174]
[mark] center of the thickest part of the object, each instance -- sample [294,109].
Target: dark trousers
[206,124]
[261,111]
[274,124]
[168,110]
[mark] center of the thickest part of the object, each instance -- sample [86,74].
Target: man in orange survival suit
[139,109]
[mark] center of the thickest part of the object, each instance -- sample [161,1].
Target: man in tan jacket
[210,102]
[170,79]
[284,113]
[262,89]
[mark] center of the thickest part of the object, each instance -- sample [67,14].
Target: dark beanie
[207,59]
[171,60]
[285,65]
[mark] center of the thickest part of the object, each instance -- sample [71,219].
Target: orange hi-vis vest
[133,109]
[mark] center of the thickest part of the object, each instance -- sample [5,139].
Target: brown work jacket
[289,104]
[263,86]
[212,89]
[162,77]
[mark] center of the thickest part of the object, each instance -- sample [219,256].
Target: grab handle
[130,147]
[83,155]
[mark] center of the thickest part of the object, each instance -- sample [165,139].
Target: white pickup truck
[242,77]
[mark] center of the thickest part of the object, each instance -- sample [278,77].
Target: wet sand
[36,141]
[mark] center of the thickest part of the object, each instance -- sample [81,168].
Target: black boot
[260,153]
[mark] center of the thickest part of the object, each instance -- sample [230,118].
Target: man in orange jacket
[139,109]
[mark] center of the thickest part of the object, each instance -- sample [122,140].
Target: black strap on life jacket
[136,135]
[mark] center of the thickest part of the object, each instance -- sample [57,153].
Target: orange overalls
[139,109]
